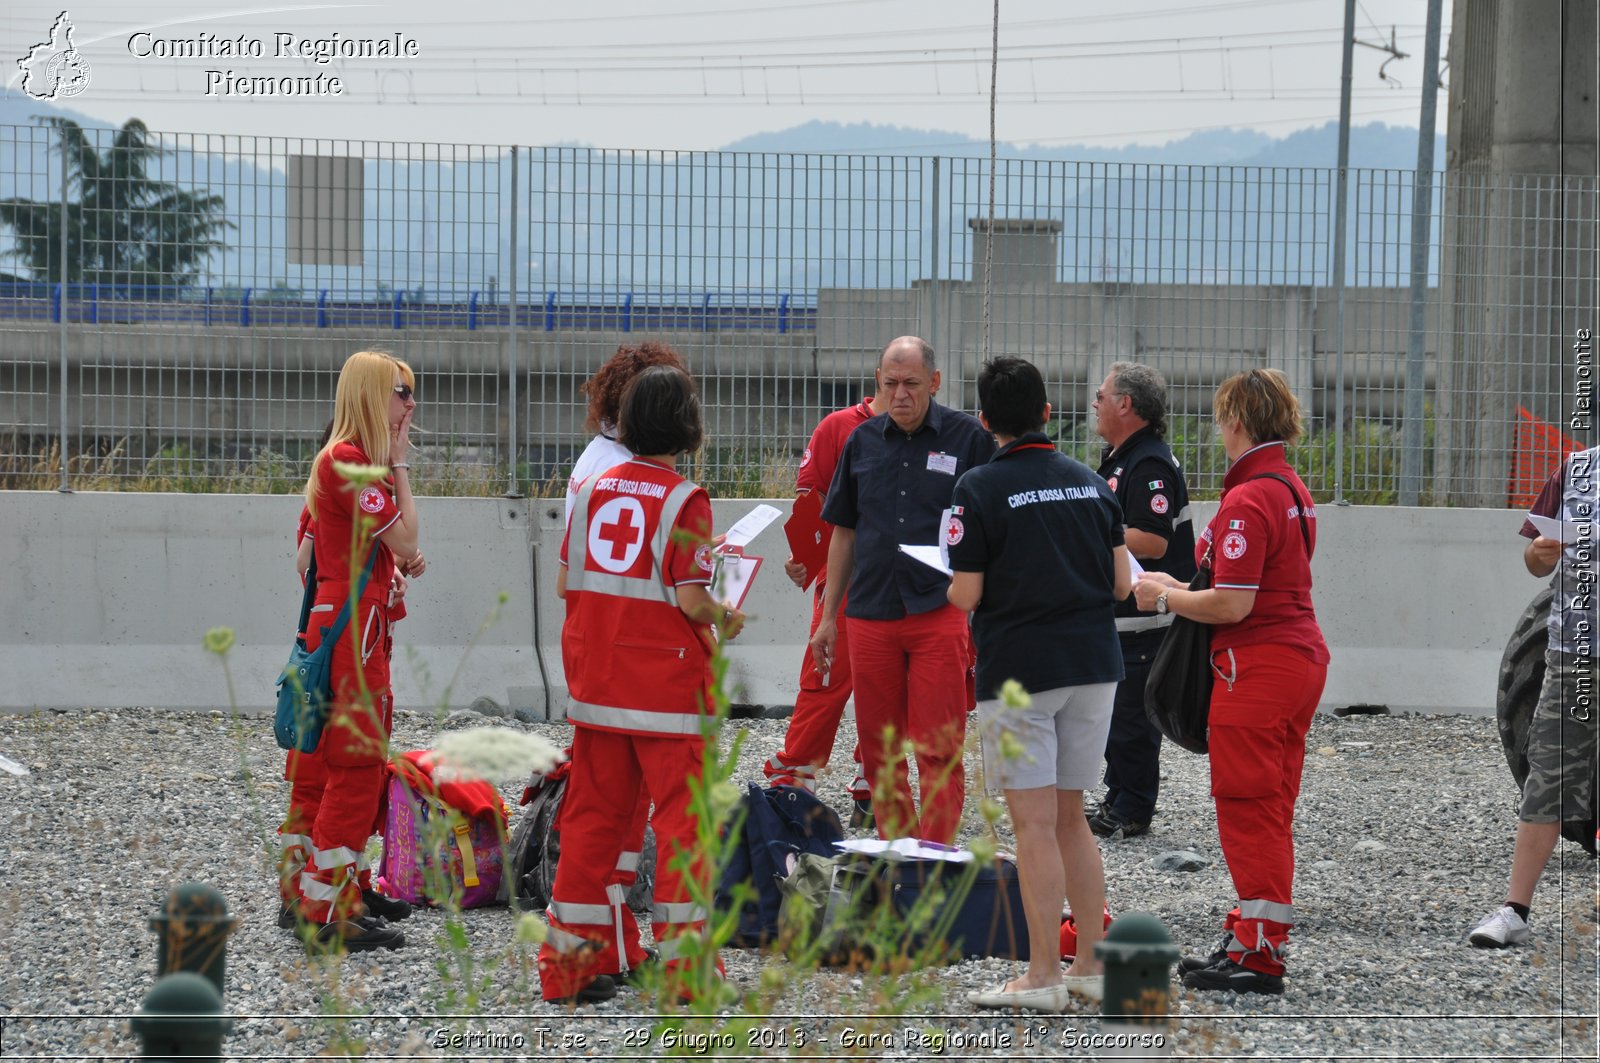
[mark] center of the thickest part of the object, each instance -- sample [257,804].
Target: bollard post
[181,1018]
[192,933]
[1138,954]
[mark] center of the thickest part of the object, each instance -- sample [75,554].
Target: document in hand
[732,575]
[808,535]
[751,525]
[1566,531]
[931,556]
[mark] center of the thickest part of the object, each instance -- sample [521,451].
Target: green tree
[123,226]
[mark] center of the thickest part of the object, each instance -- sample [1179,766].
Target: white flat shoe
[1090,986]
[1053,998]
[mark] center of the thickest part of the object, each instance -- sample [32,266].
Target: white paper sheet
[751,525]
[906,849]
[1566,531]
[931,556]
[12,766]
[1134,566]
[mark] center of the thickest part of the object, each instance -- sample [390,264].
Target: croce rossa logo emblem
[54,69]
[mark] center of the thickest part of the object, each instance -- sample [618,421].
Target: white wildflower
[497,754]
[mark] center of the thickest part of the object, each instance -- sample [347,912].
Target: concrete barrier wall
[107,597]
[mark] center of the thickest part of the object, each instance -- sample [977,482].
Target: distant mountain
[1237,206]
[18,108]
[1375,145]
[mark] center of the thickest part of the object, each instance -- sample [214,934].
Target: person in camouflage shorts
[1562,734]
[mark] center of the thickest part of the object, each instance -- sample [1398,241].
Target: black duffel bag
[1177,695]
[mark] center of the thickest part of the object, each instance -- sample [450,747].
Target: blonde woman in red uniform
[1270,664]
[637,645]
[354,516]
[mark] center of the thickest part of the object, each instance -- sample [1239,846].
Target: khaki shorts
[1059,740]
[1561,742]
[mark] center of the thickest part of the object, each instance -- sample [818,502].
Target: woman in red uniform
[637,645]
[353,517]
[1270,663]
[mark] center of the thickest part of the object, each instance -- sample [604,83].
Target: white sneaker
[1500,928]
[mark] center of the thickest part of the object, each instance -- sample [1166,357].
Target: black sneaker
[861,815]
[361,934]
[644,972]
[1229,975]
[385,907]
[1200,963]
[601,989]
[1108,823]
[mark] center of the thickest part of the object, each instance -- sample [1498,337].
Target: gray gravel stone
[124,804]
[1180,860]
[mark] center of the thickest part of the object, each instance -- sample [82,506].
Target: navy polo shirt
[891,488]
[1041,527]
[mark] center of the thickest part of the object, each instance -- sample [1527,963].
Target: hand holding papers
[1562,531]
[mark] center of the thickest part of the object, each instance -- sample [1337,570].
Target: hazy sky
[698,74]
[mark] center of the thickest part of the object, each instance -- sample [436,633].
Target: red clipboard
[808,535]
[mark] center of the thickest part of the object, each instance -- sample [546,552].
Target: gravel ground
[1405,828]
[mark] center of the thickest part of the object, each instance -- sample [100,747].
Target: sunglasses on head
[404,391]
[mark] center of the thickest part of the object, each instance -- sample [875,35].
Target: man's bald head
[907,346]
[907,382]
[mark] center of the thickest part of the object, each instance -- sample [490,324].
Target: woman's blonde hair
[361,411]
[1263,404]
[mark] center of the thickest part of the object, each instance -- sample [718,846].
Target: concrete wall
[152,385]
[109,595]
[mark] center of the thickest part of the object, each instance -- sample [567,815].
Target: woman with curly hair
[604,391]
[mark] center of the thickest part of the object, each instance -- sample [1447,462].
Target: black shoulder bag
[1177,696]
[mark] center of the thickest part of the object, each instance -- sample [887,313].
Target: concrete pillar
[1291,332]
[1517,269]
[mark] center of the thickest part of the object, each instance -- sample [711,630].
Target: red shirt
[339,504]
[821,459]
[1254,543]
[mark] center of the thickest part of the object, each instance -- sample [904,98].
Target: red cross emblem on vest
[616,535]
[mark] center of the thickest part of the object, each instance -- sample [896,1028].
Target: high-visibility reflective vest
[635,663]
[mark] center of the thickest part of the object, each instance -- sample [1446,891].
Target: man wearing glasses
[1131,416]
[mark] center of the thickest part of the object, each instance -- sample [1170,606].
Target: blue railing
[622,311]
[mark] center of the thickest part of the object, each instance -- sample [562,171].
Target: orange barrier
[1539,449]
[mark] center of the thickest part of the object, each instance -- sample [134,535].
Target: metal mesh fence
[174,309]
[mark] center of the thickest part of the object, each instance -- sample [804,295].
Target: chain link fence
[174,308]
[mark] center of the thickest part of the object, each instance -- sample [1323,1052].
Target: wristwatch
[1161,604]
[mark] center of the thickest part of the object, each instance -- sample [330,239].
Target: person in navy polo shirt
[1036,542]
[908,644]
[1130,412]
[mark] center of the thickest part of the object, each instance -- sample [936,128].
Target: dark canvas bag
[1177,695]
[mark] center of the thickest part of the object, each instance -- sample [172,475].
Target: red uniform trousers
[352,753]
[808,742]
[614,776]
[1258,747]
[911,682]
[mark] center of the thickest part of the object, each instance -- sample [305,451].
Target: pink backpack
[443,843]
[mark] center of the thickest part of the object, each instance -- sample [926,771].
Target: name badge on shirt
[945,463]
